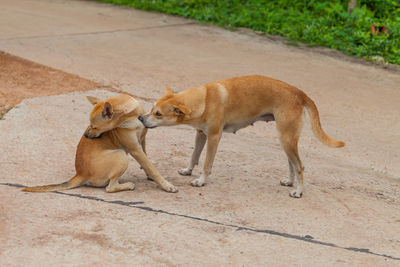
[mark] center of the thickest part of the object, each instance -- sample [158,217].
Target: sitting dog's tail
[316,125]
[75,181]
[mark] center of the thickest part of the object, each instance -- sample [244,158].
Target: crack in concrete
[136,205]
[96,32]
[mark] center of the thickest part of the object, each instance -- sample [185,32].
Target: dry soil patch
[21,79]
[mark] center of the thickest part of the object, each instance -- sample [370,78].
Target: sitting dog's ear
[107,111]
[181,109]
[168,91]
[93,100]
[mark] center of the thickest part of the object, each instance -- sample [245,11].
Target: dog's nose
[86,134]
[141,118]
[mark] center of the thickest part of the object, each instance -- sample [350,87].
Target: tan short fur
[101,156]
[232,104]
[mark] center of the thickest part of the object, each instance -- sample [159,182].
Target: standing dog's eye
[158,114]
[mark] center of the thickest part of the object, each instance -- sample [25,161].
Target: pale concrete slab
[241,217]
[351,198]
[41,19]
[142,52]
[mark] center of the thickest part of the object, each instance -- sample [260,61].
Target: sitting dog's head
[167,111]
[110,113]
[101,118]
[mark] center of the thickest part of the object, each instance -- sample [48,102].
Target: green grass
[3,112]
[313,22]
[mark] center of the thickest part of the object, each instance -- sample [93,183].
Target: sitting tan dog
[232,104]
[101,156]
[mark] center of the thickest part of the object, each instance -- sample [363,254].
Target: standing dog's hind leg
[289,127]
[293,156]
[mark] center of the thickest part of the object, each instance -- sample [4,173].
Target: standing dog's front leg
[198,147]
[212,145]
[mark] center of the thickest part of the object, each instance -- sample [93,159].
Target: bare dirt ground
[242,197]
[349,214]
[20,79]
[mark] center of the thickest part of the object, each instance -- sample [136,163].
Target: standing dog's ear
[181,109]
[107,111]
[168,91]
[93,100]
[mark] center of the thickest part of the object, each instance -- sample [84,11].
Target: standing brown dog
[101,156]
[232,104]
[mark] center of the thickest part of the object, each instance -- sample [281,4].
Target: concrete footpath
[349,214]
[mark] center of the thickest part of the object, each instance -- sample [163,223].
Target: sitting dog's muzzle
[87,135]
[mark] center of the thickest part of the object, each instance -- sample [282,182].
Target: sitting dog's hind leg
[120,167]
[115,186]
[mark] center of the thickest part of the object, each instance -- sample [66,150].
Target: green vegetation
[314,22]
[3,111]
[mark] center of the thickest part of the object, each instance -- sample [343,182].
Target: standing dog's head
[108,114]
[167,111]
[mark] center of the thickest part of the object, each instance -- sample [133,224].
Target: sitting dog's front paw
[197,182]
[131,186]
[185,171]
[170,188]
[286,182]
[295,194]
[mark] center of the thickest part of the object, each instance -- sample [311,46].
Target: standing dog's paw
[286,182]
[198,182]
[295,194]
[185,172]
[170,188]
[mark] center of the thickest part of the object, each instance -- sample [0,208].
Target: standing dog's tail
[316,125]
[72,183]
